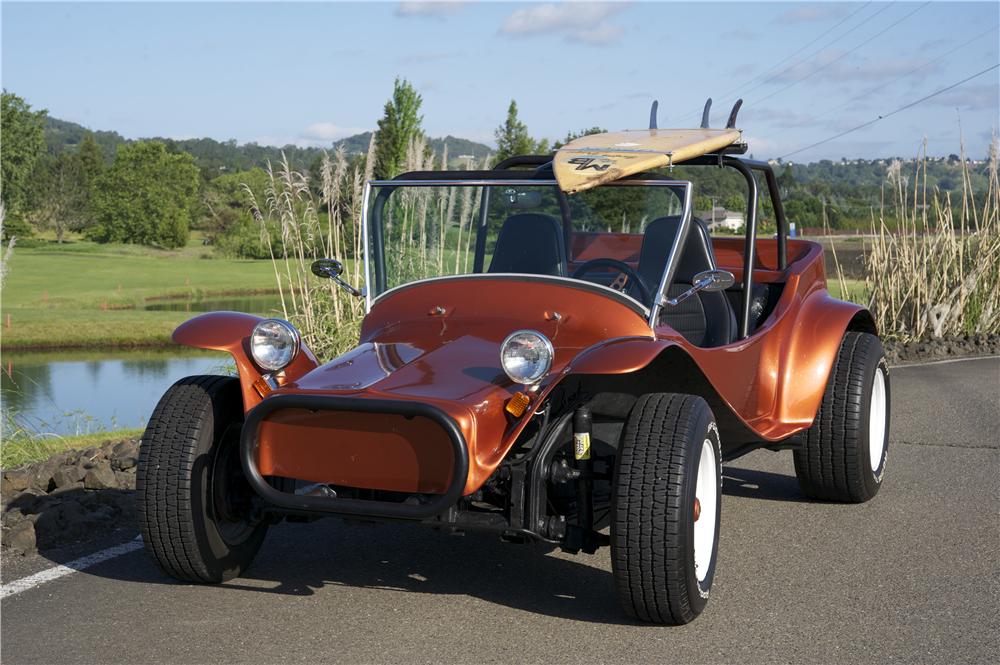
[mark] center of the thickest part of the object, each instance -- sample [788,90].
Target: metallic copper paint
[452,360]
[230,332]
[438,343]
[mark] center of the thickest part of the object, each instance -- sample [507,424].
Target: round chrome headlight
[274,343]
[526,356]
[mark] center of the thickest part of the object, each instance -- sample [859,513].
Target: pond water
[70,392]
[266,304]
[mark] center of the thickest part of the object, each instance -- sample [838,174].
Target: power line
[842,55]
[764,74]
[821,49]
[900,77]
[765,79]
[892,113]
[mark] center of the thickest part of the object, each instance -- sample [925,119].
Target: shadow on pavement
[762,485]
[302,559]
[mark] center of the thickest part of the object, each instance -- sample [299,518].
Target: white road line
[54,573]
[946,361]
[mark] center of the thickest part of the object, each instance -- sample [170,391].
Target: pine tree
[513,138]
[400,125]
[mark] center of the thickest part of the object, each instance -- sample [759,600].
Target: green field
[82,294]
[18,450]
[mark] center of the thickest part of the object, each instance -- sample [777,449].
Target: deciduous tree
[22,142]
[146,197]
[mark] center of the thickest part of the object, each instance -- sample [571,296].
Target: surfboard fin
[704,114]
[652,114]
[731,124]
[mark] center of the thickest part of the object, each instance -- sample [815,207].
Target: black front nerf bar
[355,507]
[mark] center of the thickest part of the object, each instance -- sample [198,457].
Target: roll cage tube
[373,221]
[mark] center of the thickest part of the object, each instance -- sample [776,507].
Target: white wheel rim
[707,493]
[876,420]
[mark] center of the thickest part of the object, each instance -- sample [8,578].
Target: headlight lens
[526,356]
[274,343]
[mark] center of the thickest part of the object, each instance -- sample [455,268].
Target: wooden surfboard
[592,160]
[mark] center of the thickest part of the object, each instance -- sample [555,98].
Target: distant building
[718,218]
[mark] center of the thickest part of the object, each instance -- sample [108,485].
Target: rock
[75,487]
[43,478]
[69,512]
[125,479]
[17,479]
[101,477]
[68,475]
[126,462]
[126,449]
[26,500]
[21,537]
[12,517]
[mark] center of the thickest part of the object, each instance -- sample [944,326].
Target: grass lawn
[855,291]
[21,450]
[82,294]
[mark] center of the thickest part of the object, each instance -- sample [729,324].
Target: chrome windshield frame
[666,278]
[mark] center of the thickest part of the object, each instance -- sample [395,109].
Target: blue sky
[308,73]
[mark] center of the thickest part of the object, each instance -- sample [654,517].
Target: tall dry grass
[422,226]
[933,268]
[325,314]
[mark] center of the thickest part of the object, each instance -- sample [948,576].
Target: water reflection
[79,392]
[267,304]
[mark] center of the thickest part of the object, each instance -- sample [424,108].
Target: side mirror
[714,280]
[333,269]
[707,280]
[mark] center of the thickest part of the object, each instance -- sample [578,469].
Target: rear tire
[663,555]
[843,455]
[194,504]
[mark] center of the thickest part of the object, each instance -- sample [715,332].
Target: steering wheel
[632,278]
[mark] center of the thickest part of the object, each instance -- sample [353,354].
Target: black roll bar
[356,507]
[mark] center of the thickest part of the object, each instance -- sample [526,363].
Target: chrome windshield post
[364,233]
[659,298]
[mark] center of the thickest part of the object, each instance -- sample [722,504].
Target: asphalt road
[913,576]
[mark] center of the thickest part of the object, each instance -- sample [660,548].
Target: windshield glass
[425,229]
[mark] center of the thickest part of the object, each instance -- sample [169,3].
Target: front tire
[843,454]
[195,506]
[666,508]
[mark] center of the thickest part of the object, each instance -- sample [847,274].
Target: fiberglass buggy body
[532,374]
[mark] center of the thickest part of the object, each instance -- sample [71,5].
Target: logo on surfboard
[599,164]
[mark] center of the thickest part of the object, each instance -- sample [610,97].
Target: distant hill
[212,156]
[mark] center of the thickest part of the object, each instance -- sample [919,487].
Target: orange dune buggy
[570,369]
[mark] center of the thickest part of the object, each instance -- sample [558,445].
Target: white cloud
[327,131]
[578,22]
[970,97]
[828,67]
[429,9]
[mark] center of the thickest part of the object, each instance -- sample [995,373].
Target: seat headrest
[530,243]
[657,242]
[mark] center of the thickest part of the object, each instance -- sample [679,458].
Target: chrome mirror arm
[357,293]
[677,300]
[710,280]
[332,269]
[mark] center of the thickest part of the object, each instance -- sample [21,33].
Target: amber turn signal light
[517,404]
[262,387]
